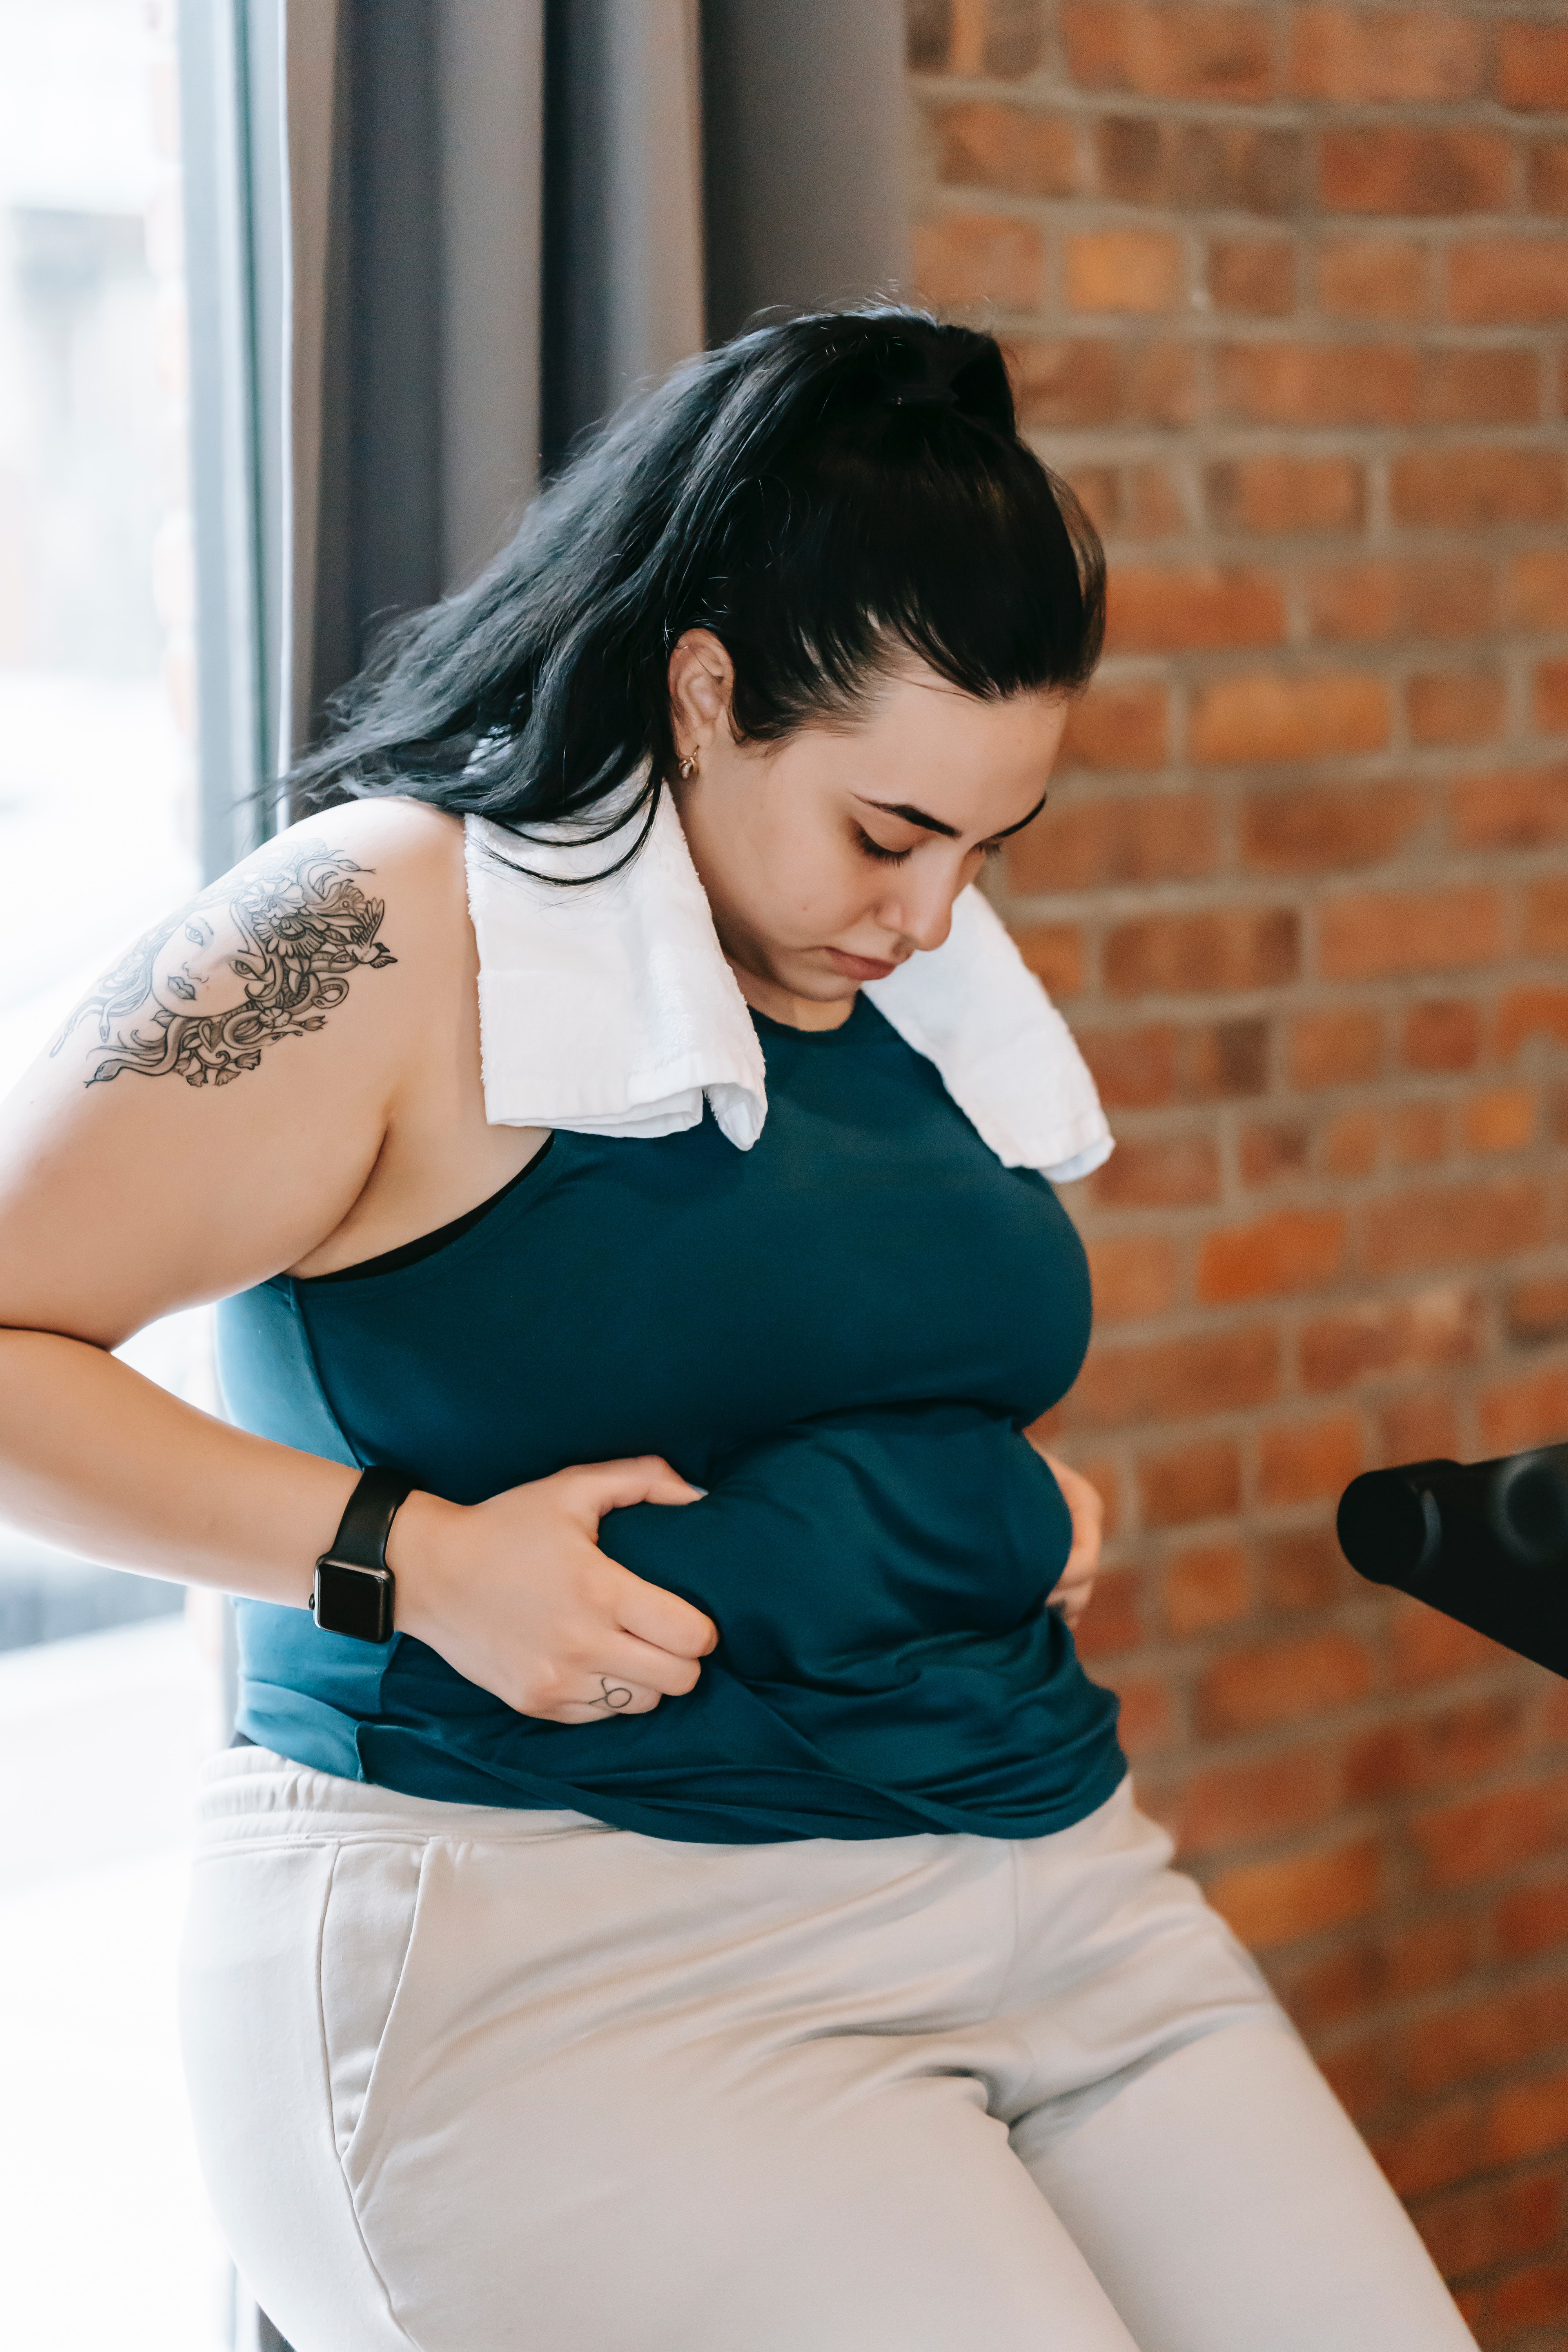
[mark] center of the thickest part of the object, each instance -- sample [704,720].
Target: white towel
[608,1008]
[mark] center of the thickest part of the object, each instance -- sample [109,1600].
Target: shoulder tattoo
[306,928]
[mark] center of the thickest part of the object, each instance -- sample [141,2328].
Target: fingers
[614,1697]
[662,1619]
[594,1488]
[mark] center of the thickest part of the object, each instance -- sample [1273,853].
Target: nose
[920,910]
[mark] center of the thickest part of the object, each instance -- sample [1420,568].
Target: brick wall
[1287,288]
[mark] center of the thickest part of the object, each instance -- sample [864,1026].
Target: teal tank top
[841,1334]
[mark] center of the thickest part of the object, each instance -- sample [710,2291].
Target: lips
[861,968]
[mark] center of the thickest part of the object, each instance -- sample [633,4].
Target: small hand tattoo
[617,1695]
[306,926]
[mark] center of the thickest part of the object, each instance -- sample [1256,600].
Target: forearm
[102,1462]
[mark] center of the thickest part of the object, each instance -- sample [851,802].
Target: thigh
[1225,2201]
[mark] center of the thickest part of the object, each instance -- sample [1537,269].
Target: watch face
[356,1600]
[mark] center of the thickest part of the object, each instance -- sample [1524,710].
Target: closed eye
[869,848]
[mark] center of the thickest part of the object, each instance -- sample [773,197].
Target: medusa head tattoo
[306,926]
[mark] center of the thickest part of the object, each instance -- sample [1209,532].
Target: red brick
[1320,828]
[1440,1224]
[1358,2076]
[1546,917]
[1114,1621]
[1253,276]
[1550,701]
[1270,1150]
[1168,48]
[1167,1171]
[1418,1133]
[1532,1919]
[1547,173]
[978,258]
[1157,609]
[1098,492]
[1134,1069]
[1161,384]
[1205,1586]
[1526,2119]
[1419,1428]
[1317,384]
[1294,1249]
[1053,951]
[1118,724]
[1533,2296]
[1228,948]
[1376,1968]
[1443,1033]
[1147,1721]
[1417,1754]
[1134,1275]
[1426,1647]
[1373,278]
[1209,166]
[1351,1143]
[1455,705]
[1537,1311]
[1435,2151]
[1531,1411]
[1363,602]
[1401,170]
[1123,270]
[1198,1481]
[1477,488]
[1539,589]
[1307,1462]
[1501,1118]
[1372,55]
[1336,1047]
[1497,281]
[1484,387]
[1172,1380]
[1283,494]
[1433,1330]
[1221,1060]
[1084,844]
[1267,1797]
[1083,382]
[1153,504]
[1532,66]
[1477,2227]
[1527,1012]
[1020,153]
[1302,1568]
[1482,1837]
[1271,1903]
[1281,1682]
[999,38]
[1377,934]
[1269,715]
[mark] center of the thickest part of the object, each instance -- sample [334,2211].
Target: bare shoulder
[279,946]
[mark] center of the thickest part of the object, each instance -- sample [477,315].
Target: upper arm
[213,1107]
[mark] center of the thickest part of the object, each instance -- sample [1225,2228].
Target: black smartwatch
[354,1586]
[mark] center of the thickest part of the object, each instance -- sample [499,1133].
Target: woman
[640,1275]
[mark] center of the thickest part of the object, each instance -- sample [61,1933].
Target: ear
[702,682]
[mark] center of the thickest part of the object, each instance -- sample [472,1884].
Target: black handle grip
[1486,1542]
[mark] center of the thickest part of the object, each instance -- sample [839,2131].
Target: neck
[783,1005]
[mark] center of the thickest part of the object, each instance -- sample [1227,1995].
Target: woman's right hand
[516,1594]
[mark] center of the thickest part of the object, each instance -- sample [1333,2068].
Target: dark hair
[824,494]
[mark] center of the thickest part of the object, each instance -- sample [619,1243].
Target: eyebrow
[948,832]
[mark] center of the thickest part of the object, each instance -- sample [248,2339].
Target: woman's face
[832,857]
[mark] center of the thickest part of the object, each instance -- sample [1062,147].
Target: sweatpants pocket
[366,1929]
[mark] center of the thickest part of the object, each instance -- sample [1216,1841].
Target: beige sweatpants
[476,2080]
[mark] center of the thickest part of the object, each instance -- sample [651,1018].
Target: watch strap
[366,1522]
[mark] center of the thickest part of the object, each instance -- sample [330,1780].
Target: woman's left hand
[1072,1589]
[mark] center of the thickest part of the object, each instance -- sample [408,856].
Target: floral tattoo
[306,927]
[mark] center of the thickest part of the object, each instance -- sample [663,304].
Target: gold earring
[686,769]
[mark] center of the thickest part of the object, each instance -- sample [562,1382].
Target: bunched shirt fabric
[841,1332]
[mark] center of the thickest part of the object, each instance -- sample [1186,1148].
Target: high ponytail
[827,496]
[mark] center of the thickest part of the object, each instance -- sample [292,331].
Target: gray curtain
[504,218]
